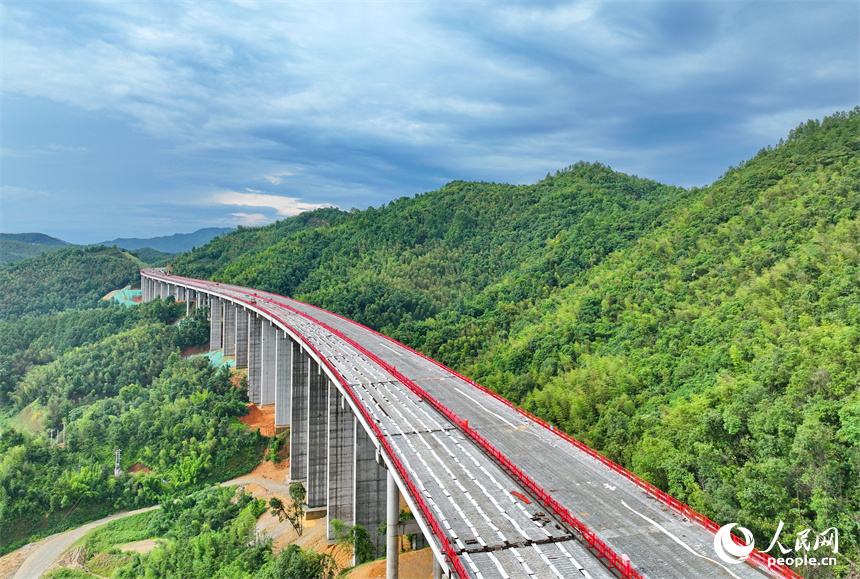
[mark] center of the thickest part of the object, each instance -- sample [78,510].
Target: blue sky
[137,119]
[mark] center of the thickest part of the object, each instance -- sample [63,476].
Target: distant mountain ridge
[176,243]
[18,246]
[39,238]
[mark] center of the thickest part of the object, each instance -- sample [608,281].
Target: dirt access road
[37,558]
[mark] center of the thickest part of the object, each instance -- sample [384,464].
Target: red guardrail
[424,510]
[601,548]
[757,556]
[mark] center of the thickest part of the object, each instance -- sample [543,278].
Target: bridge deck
[659,542]
[494,533]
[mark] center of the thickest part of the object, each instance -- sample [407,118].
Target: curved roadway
[488,513]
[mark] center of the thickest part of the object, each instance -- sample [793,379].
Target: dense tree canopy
[707,339]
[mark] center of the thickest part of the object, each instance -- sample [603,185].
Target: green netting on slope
[125,296]
[217,358]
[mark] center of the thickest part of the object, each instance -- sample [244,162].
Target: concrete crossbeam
[318,385]
[255,358]
[242,338]
[283,380]
[268,364]
[341,460]
[299,416]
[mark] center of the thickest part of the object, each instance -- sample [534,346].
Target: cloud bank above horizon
[139,119]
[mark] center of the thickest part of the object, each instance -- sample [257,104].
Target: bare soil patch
[194,350]
[413,565]
[262,418]
[144,546]
[137,467]
[10,562]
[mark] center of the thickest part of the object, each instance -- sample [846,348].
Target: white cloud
[285,206]
[10,193]
[251,219]
[277,178]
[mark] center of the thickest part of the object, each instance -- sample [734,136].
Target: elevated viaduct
[495,491]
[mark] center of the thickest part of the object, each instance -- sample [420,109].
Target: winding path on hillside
[43,554]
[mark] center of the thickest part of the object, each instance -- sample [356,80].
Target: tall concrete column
[392,516]
[255,359]
[269,364]
[341,461]
[230,311]
[283,380]
[318,386]
[187,305]
[162,290]
[215,316]
[299,416]
[370,483]
[242,318]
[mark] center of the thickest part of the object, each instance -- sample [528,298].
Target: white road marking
[679,541]
[500,417]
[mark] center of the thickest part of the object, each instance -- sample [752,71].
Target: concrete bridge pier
[215,313]
[369,484]
[283,380]
[242,318]
[268,363]
[392,520]
[317,456]
[230,312]
[341,462]
[255,359]
[299,416]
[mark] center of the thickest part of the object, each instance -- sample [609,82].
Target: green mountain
[37,238]
[169,243]
[76,277]
[18,246]
[705,338]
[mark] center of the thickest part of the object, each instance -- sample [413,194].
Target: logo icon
[727,549]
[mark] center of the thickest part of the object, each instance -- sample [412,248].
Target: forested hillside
[113,377]
[72,278]
[707,339]
[467,248]
[18,246]
[719,357]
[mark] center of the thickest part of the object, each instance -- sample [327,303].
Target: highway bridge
[496,492]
